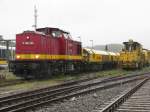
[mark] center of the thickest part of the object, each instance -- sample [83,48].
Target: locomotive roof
[50,28]
[117,53]
[36,32]
[91,51]
[112,53]
[88,50]
[133,42]
[101,52]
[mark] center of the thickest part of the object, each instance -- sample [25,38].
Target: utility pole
[92,43]
[106,48]
[35,18]
[79,38]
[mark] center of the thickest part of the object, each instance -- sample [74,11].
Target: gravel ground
[86,103]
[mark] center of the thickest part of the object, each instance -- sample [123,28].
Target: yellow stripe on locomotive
[47,57]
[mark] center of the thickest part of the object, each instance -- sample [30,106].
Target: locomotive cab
[132,46]
[132,55]
[54,32]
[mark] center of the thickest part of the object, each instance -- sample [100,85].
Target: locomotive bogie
[39,69]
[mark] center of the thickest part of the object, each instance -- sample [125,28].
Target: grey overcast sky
[103,21]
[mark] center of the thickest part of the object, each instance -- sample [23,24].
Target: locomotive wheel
[49,71]
[137,65]
[141,65]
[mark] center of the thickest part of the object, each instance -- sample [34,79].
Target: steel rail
[48,99]
[112,106]
[45,91]
[66,84]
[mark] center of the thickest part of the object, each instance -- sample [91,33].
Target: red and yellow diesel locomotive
[44,52]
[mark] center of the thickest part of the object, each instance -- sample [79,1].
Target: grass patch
[119,72]
[57,79]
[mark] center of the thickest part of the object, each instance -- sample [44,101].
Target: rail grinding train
[47,51]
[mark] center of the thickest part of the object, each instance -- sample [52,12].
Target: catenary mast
[35,18]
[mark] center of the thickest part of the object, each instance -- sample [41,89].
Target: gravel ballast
[86,103]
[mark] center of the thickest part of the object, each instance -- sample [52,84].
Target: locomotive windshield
[67,35]
[56,34]
[131,46]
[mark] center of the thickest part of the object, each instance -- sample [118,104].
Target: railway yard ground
[82,96]
[11,83]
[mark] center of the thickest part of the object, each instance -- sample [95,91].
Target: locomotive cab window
[131,46]
[56,34]
[67,35]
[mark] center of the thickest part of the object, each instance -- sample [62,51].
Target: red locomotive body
[46,50]
[50,44]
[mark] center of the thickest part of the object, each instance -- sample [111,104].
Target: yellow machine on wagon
[132,56]
[99,60]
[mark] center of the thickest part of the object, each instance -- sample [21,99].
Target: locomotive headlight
[28,37]
[37,56]
[17,56]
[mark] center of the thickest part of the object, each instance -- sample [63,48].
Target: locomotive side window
[65,35]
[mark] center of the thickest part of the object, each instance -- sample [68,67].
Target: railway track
[136,99]
[28,100]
